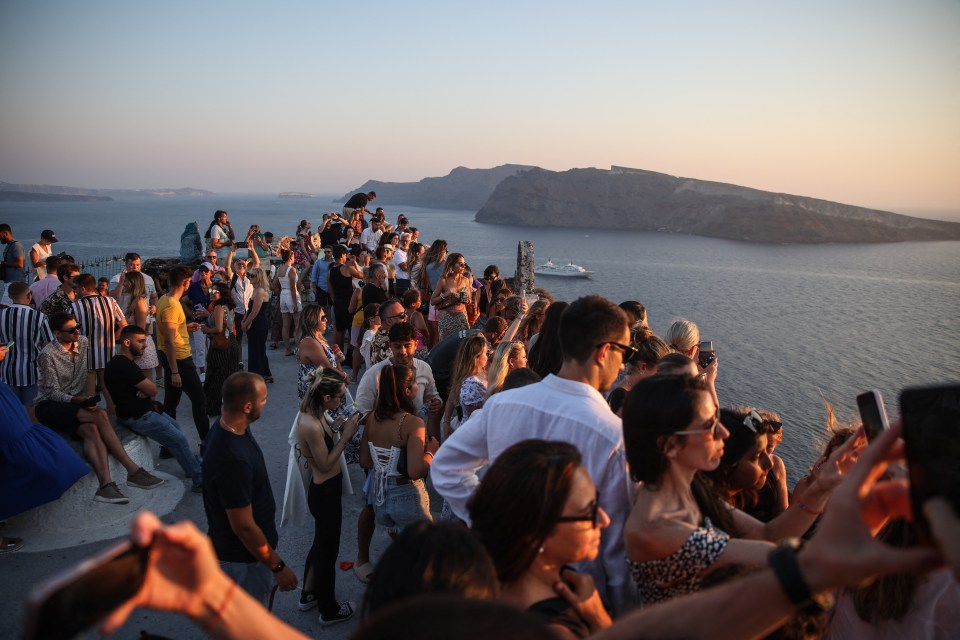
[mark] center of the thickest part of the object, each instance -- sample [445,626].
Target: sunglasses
[402,314]
[74,329]
[711,426]
[625,349]
[592,517]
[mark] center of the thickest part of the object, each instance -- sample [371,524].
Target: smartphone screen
[931,429]
[873,415]
[65,606]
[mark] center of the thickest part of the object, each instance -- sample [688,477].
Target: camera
[707,355]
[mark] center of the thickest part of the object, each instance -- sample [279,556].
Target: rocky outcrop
[622,198]
[26,196]
[462,188]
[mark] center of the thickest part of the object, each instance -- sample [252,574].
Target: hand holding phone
[91,402]
[873,415]
[707,354]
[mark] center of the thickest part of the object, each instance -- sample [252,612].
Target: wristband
[783,562]
[175,373]
[808,509]
[280,566]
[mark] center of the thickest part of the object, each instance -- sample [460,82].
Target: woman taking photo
[137,312]
[679,528]
[536,512]
[395,447]
[450,296]
[316,440]
[507,357]
[289,297]
[223,356]
[256,324]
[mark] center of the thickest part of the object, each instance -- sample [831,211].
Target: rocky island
[623,198]
[53,193]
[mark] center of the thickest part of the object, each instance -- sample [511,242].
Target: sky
[856,101]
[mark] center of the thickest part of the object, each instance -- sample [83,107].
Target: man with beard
[134,394]
[237,495]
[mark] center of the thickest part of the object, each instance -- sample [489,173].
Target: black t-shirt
[373,293]
[441,356]
[235,476]
[121,376]
[330,236]
[357,201]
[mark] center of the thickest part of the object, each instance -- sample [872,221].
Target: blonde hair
[138,289]
[500,364]
[261,279]
[682,336]
[465,363]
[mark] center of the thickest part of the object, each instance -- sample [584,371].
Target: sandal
[8,545]
[363,572]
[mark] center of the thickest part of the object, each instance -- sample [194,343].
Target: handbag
[219,342]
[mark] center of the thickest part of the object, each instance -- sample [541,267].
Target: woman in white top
[41,251]
[242,290]
[394,431]
[289,297]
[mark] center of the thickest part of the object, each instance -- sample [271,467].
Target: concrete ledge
[76,519]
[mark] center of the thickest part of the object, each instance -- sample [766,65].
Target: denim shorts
[404,504]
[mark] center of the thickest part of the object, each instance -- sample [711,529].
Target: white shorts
[355,336]
[286,302]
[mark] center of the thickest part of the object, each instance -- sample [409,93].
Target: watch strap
[280,567]
[783,561]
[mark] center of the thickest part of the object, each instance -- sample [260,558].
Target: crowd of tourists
[589,480]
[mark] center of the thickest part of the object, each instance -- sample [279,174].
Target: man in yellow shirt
[173,338]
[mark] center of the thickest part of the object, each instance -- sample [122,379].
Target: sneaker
[110,493]
[307,601]
[345,613]
[143,479]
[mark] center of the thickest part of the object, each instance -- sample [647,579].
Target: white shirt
[369,386]
[218,233]
[43,252]
[399,257]
[370,238]
[553,409]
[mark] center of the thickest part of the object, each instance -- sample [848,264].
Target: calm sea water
[789,321]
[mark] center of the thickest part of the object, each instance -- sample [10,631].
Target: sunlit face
[482,360]
[703,450]
[332,402]
[133,265]
[577,541]
[519,361]
[402,352]
[138,345]
[751,470]
[256,408]
[613,363]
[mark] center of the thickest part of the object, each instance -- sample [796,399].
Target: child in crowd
[371,324]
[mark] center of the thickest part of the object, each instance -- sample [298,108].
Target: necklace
[224,424]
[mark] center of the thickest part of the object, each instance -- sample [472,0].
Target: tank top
[342,285]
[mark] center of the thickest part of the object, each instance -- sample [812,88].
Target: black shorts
[341,317]
[323,299]
[59,416]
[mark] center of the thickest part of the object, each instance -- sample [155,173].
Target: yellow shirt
[170,310]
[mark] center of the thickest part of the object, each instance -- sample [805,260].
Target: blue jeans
[162,428]
[253,577]
[404,504]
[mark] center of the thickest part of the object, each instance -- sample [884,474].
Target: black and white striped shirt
[98,317]
[30,332]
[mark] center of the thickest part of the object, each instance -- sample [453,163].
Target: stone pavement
[36,562]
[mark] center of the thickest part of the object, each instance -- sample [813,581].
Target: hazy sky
[856,101]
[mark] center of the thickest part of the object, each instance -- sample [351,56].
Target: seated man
[133,393]
[66,403]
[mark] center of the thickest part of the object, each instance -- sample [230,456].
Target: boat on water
[568,270]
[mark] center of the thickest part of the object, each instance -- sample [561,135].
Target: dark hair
[410,295]
[131,256]
[383,307]
[130,331]
[226,297]
[673,362]
[339,250]
[517,504]
[741,439]
[653,410]
[490,271]
[371,310]
[635,311]
[391,398]
[85,281]
[496,324]
[240,388]
[545,356]
[178,274]
[320,382]
[650,348]
[5,227]
[213,222]
[432,557]
[520,378]
[401,332]
[60,318]
[17,289]
[587,322]
[65,269]
[285,254]
[52,263]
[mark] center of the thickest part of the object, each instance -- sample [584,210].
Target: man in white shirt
[132,263]
[570,407]
[370,237]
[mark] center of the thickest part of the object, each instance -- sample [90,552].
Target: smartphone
[707,354]
[92,401]
[931,429]
[242,245]
[64,606]
[873,415]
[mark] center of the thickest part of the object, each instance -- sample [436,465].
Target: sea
[794,326]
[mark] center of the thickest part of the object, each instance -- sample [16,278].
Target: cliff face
[647,201]
[462,188]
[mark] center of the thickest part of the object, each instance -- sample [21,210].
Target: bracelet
[174,373]
[808,509]
[218,614]
[428,453]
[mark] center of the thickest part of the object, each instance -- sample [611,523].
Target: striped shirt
[62,371]
[99,318]
[30,332]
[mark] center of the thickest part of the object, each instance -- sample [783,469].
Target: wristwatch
[280,566]
[783,561]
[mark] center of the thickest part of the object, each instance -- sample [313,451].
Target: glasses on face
[624,349]
[212,257]
[74,329]
[322,319]
[459,264]
[711,426]
[402,314]
[591,517]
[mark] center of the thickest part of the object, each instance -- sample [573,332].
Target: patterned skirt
[450,323]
